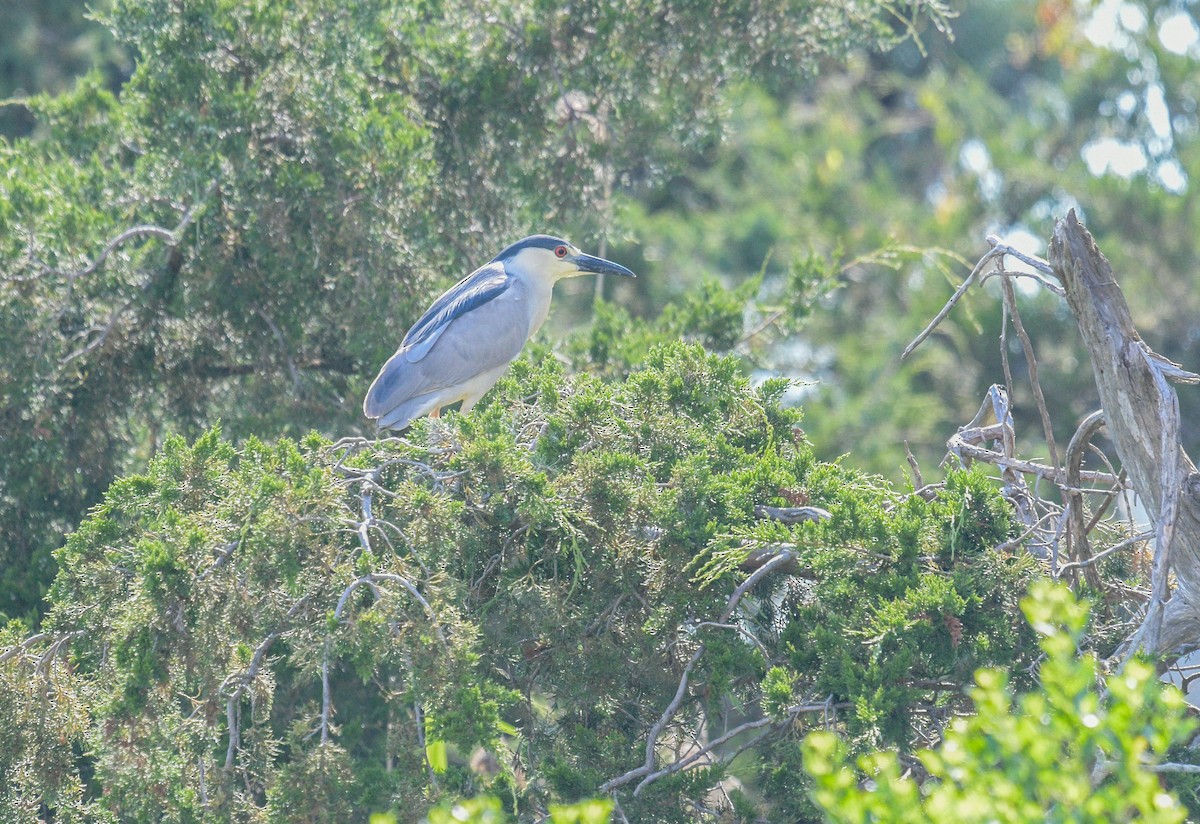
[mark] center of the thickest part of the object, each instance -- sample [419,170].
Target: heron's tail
[404,414]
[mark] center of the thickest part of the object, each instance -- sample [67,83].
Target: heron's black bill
[600,266]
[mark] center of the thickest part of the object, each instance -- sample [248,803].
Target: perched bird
[463,343]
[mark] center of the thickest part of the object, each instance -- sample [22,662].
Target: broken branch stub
[1141,411]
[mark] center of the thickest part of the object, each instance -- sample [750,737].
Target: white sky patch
[977,160]
[974,157]
[1172,177]
[1131,17]
[1178,33]
[1157,113]
[1109,155]
[1048,208]
[1109,23]
[1020,238]
[1023,240]
[1126,103]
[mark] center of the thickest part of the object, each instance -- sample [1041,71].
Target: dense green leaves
[1065,751]
[249,627]
[889,174]
[502,602]
[242,231]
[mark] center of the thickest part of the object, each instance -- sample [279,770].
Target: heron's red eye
[560,251]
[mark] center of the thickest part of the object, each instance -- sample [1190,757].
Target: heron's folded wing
[466,345]
[481,286]
[486,339]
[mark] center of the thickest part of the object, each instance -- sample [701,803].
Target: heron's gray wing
[479,336]
[473,345]
[484,284]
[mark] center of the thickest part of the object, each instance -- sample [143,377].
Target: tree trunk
[1142,413]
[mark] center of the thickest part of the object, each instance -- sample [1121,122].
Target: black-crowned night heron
[463,343]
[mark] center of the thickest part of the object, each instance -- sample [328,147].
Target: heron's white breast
[535,294]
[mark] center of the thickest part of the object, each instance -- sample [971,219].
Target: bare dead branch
[369,478]
[1036,263]
[1040,470]
[918,481]
[760,555]
[774,724]
[235,684]
[1100,556]
[647,766]
[105,330]
[792,514]
[1010,298]
[1143,423]
[1078,548]
[129,234]
[1173,767]
[766,569]
[656,731]
[24,646]
[172,238]
[998,252]
[950,304]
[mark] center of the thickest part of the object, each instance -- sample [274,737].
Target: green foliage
[239,231]
[597,811]
[319,785]
[515,614]
[487,810]
[474,811]
[1066,750]
[614,342]
[889,173]
[45,46]
[233,636]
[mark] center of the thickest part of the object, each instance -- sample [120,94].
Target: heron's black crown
[531,242]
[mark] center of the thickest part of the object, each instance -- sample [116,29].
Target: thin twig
[998,250]
[1031,363]
[1099,556]
[950,304]
[918,481]
[647,766]
[1077,540]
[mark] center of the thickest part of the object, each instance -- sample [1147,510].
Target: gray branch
[647,767]
[1142,414]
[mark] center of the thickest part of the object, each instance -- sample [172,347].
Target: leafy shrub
[1066,750]
[504,602]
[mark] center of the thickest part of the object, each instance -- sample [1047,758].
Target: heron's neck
[540,292]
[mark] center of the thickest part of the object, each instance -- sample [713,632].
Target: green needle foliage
[1065,751]
[517,605]
[243,229]
[501,603]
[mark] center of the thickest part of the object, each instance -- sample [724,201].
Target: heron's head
[552,258]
